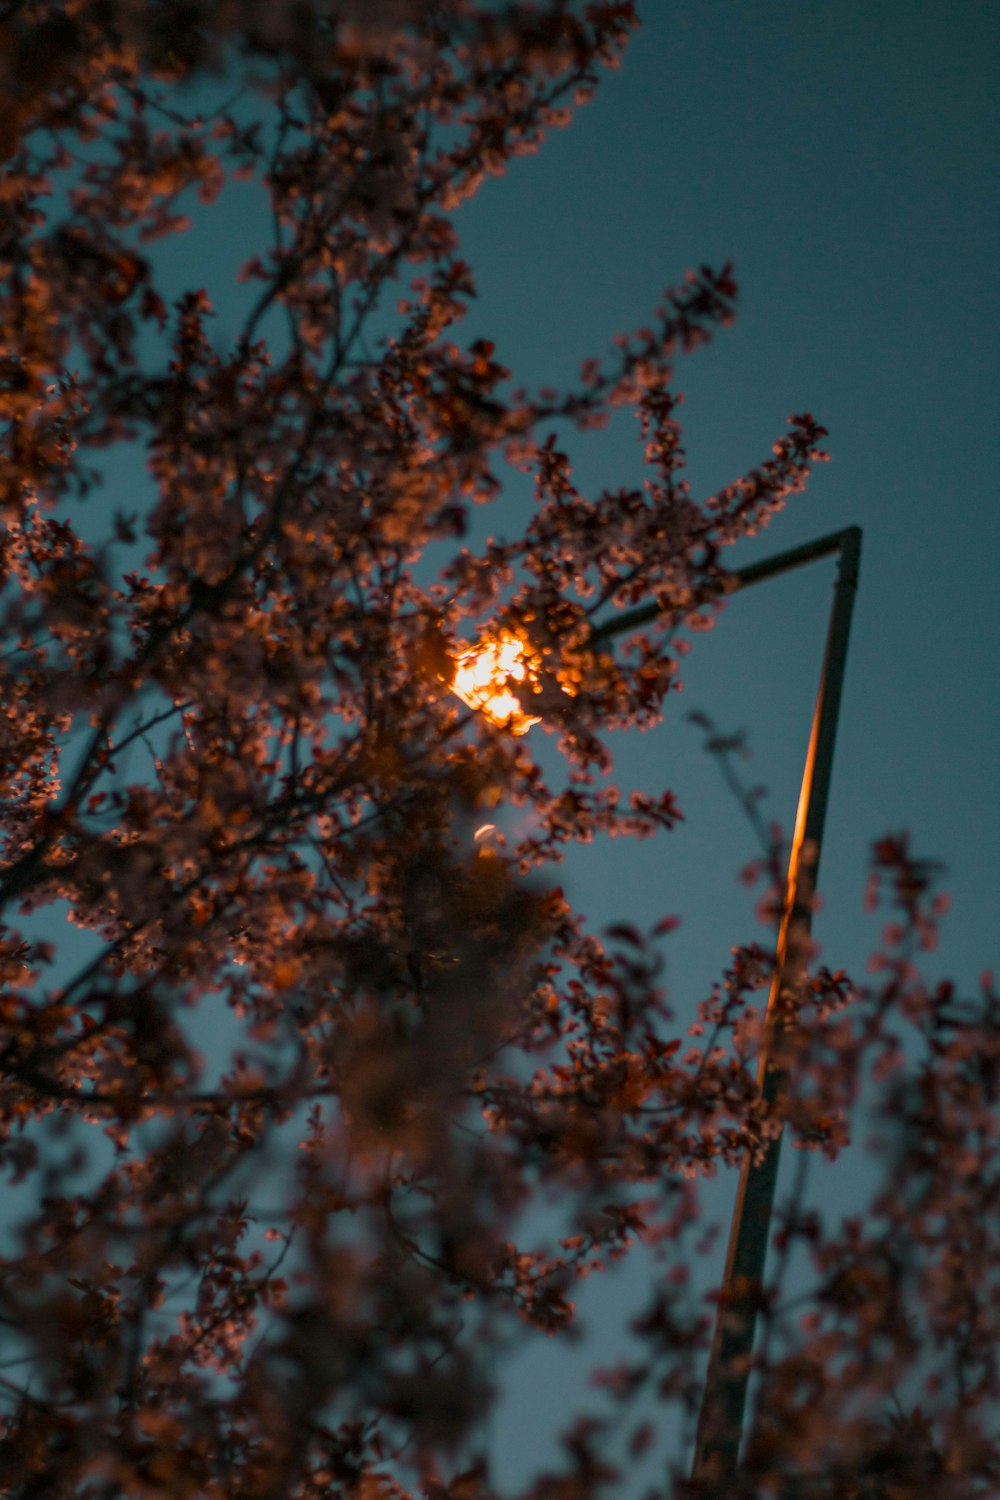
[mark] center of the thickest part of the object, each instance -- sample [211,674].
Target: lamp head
[483,678]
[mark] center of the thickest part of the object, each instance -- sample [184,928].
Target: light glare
[481,677]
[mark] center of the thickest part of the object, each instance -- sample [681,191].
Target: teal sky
[844,156]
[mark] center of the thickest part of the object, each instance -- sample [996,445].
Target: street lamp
[720,1422]
[483,674]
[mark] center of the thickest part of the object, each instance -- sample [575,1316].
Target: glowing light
[482,675]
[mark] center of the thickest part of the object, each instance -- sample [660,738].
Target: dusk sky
[843,155]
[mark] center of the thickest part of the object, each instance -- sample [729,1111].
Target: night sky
[844,157]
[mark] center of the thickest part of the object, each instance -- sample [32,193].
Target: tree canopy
[274,1146]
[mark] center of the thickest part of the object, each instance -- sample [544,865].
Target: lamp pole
[720,1424]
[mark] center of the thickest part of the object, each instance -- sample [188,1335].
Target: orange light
[482,674]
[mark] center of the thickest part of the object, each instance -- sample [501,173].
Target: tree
[284,1265]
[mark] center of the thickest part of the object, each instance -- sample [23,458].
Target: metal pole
[720,1424]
